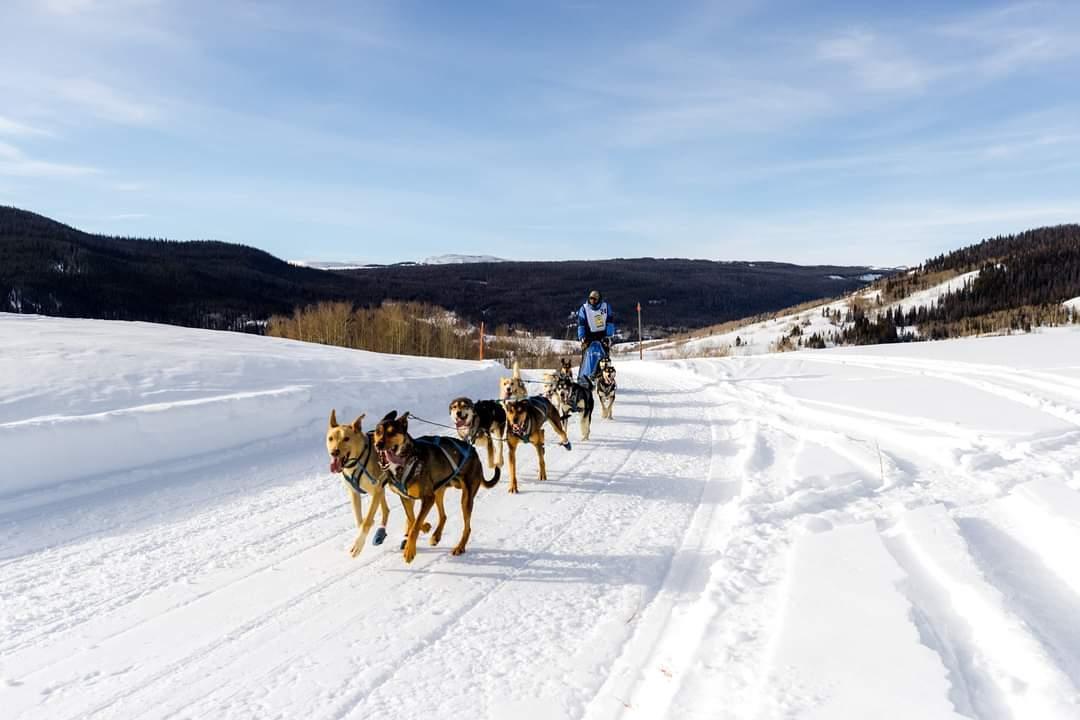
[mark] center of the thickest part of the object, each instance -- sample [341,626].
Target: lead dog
[482,421]
[525,423]
[352,455]
[572,397]
[422,469]
[605,389]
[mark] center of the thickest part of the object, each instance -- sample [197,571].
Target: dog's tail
[517,371]
[494,478]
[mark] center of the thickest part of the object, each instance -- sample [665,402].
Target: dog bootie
[566,445]
[380,535]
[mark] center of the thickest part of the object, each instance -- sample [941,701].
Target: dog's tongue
[335,465]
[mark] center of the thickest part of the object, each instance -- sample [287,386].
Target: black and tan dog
[605,388]
[566,368]
[571,398]
[525,423]
[352,455]
[422,469]
[482,421]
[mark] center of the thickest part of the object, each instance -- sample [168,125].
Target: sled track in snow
[735,533]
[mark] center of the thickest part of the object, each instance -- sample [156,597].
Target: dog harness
[464,450]
[352,479]
[576,397]
[538,402]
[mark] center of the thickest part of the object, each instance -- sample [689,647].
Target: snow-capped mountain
[454,259]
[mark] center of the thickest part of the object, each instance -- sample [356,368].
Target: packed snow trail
[882,532]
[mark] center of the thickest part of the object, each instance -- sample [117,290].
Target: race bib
[597,319]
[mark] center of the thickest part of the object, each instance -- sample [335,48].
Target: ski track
[663,571]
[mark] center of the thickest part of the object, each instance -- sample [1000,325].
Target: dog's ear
[404,422]
[389,417]
[356,422]
[333,418]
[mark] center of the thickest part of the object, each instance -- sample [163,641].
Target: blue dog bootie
[380,535]
[566,445]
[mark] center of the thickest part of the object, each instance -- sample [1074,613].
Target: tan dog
[422,469]
[352,454]
[525,423]
[513,387]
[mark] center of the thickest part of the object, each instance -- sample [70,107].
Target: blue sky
[807,132]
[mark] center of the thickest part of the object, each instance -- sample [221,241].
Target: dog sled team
[421,469]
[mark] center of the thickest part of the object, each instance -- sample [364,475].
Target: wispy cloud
[14,161]
[878,65]
[106,102]
[12,127]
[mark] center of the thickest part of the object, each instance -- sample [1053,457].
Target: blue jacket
[583,329]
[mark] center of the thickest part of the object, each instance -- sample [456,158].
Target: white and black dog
[481,421]
[605,388]
[566,370]
[572,397]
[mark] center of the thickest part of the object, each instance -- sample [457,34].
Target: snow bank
[82,398]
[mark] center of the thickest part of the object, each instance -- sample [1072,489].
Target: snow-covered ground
[757,337]
[882,532]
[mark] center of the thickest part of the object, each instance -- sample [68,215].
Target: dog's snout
[335,452]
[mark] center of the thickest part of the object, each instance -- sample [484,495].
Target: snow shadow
[1035,593]
[645,569]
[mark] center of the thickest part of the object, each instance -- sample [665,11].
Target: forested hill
[50,268]
[675,294]
[1019,282]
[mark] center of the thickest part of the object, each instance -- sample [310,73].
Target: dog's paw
[409,553]
[357,546]
[458,550]
[435,539]
[512,489]
[380,535]
[567,445]
[426,527]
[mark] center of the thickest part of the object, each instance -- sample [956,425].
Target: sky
[825,132]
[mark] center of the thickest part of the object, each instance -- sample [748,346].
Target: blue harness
[352,480]
[464,451]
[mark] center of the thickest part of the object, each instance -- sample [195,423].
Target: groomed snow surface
[853,533]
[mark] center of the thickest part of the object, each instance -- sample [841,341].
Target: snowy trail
[261,578]
[884,533]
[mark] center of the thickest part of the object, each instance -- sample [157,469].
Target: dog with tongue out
[352,455]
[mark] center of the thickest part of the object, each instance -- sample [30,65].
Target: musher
[595,323]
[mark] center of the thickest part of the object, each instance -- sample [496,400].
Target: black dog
[573,397]
[481,421]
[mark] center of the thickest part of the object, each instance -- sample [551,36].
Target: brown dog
[525,423]
[423,468]
[352,454]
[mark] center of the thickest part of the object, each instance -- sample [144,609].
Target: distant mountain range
[50,268]
[433,260]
